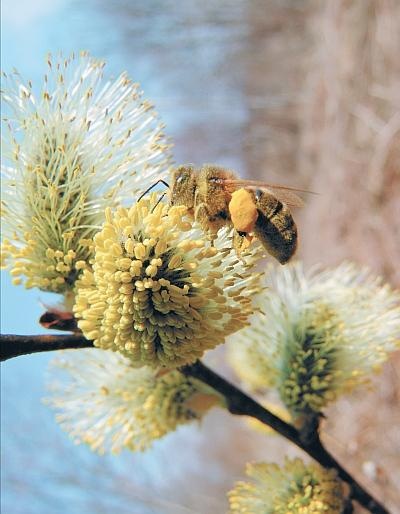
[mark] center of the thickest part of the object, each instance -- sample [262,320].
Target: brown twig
[14,346]
[237,401]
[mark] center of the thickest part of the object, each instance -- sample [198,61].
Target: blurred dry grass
[333,125]
[350,146]
[350,135]
[331,72]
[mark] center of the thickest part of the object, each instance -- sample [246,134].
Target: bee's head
[183,186]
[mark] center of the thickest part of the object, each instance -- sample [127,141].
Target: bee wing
[285,194]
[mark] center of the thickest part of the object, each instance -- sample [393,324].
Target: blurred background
[301,92]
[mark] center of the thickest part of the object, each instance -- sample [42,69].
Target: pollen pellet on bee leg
[243,210]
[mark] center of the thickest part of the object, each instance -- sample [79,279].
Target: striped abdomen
[275,227]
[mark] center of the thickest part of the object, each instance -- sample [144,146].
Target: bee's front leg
[202,215]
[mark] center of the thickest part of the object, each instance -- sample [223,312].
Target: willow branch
[238,403]
[14,346]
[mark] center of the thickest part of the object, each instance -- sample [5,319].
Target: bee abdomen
[275,227]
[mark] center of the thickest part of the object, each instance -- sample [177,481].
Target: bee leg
[241,242]
[202,215]
[200,212]
[158,202]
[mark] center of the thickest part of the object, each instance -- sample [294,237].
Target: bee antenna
[151,187]
[158,201]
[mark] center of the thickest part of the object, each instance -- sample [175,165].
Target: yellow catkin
[320,343]
[122,406]
[170,306]
[291,488]
[60,176]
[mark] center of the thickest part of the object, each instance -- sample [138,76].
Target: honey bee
[216,198]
